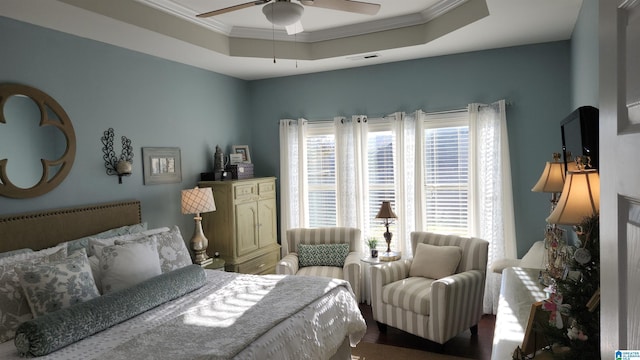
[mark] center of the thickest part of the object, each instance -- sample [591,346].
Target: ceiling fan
[286,13]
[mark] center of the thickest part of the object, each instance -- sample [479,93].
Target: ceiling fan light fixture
[283,13]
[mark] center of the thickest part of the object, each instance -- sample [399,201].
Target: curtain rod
[507,103]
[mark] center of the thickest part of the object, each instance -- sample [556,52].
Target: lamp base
[206,262]
[389,256]
[199,243]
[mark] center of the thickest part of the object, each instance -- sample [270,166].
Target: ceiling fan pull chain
[273,34]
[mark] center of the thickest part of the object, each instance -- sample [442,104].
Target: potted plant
[372,243]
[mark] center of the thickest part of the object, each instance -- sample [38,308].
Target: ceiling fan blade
[232,8]
[358,7]
[294,28]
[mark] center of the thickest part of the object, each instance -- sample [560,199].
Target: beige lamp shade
[552,178]
[197,200]
[385,211]
[580,198]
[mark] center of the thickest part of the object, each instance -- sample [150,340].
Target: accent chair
[438,293]
[321,260]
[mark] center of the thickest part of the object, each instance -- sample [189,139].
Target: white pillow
[94,263]
[124,265]
[59,284]
[97,244]
[435,262]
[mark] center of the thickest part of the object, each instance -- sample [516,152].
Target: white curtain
[291,180]
[349,169]
[405,129]
[491,190]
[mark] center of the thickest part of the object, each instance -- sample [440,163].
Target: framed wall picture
[161,165]
[244,151]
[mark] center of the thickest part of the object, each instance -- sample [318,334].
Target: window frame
[371,226]
[448,119]
[319,128]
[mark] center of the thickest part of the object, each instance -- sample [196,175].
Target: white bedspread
[314,332]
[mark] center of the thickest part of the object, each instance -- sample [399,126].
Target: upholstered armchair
[437,294]
[350,271]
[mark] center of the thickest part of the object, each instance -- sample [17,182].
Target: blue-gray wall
[154,102]
[584,57]
[534,79]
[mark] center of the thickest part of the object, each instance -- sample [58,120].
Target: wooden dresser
[243,229]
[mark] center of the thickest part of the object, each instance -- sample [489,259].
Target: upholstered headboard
[42,229]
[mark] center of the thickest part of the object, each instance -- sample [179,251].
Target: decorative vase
[374,253]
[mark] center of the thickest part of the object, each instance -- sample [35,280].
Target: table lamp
[387,213]
[580,198]
[552,181]
[197,201]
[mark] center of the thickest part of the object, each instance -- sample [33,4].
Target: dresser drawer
[267,189]
[244,191]
[259,265]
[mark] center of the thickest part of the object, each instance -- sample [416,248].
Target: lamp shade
[552,178]
[197,200]
[283,13]
[580,198]
[385,211]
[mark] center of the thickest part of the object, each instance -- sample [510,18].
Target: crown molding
[426,15]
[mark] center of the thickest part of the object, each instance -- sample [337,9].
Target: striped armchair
[330,235]
[439,309]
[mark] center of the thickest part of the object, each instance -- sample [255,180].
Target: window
[380,177]
[446,173]
[320,162]
[337,173]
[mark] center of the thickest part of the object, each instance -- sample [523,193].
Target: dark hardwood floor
[464,345]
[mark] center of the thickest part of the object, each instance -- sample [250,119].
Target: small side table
[215,264]
[366,275]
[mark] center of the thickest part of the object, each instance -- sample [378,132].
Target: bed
[186,313]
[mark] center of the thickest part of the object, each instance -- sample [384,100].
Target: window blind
[446,177]
[381,176]
[321,179]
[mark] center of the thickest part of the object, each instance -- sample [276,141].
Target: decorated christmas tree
[574,320]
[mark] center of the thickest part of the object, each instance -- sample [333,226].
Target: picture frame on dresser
[161,165]
[242,150]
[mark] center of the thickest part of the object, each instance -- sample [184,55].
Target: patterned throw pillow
[14,308]
[18,256]
[124,265]
[57,285]
[97,244]
[322,254]
[15,252]
[83,243]
[172,250]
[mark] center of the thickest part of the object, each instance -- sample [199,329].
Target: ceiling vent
[363,57]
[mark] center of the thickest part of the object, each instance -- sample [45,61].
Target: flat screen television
[580,135]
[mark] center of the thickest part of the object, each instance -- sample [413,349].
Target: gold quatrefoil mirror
[37,142]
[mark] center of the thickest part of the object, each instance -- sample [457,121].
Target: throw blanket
[223,323]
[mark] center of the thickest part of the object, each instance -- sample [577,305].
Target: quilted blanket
[220,324]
